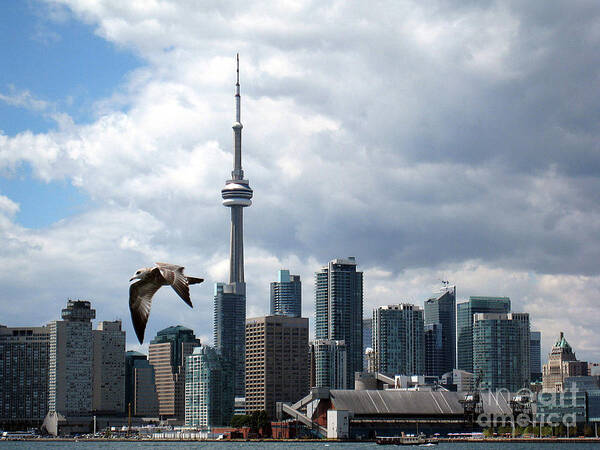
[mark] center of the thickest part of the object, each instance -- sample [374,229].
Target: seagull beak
[132,278]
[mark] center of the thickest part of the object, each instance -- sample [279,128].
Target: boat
[407,439]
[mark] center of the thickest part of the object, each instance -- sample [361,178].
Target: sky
[432,140]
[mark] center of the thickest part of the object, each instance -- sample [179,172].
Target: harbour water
[44,445]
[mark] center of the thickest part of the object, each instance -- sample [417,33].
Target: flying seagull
[151,280]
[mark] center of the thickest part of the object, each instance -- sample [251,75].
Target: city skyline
[466,161]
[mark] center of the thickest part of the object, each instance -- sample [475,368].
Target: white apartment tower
[71,359]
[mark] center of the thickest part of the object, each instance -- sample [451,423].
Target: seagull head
[140,273]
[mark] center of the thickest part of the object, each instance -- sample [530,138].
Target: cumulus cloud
[431,140]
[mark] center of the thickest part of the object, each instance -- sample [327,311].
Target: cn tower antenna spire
[237,92]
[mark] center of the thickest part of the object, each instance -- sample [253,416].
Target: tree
[488,432]
[240,421]
[260,421]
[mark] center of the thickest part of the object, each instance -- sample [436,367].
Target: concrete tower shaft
[237,195]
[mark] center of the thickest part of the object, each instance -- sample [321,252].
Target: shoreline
[556,440]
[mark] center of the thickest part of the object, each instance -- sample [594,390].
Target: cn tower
[230,298]
[237,195]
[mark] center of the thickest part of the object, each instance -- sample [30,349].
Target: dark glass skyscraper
[464,325]
[286,295]
[339,310]
[229,335]
[441,310]
[434,349]
[535,352]
[230,298]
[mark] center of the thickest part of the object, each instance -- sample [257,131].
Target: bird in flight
[150,280]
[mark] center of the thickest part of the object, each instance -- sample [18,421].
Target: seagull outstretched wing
[140,301]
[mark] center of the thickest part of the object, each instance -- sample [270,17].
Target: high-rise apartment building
[108,373]
[286,295]
[277,366]
[230,298]
[562,363]
[140,387]
[71,359]
[535,352]
[339,311]
[207,404]
[330,367]
[23,374]
[441,310]
[501,350]
[464,325]
[167,353]
[398,339]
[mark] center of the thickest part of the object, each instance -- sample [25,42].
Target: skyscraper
[140,387]
[330,364]
[441,310]
[286,295]
[464,325]
[535,352]
[434,350]
[230,298]
[277,366]
[207,404]
[23,374]
[108,373]
[398,339]
[167,353]
[501,350]
[70,362]
[339,311]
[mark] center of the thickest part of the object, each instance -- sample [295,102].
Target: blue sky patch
[61,62]
[42,204]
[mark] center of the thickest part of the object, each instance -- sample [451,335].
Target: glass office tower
[535,351]
[441,311]
[464,325]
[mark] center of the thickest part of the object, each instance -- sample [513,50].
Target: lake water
[22,445]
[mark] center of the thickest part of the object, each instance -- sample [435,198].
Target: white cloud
[7,206]
[423,139]
[23,99]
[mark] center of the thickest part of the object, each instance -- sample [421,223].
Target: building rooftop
[562,342]
[396,402]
